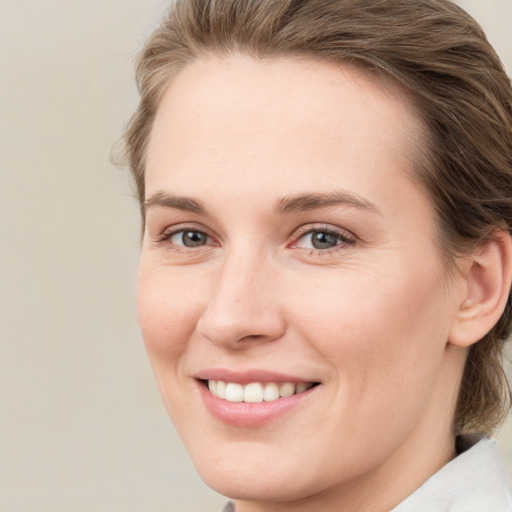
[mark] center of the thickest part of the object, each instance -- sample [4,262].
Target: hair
[434,51]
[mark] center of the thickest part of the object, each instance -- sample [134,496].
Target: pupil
[322,240]
[193,239]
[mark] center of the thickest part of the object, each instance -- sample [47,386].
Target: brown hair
[432,49]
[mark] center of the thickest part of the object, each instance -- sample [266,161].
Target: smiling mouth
[256,392]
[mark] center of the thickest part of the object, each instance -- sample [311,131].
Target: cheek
[167,315]
[167,318]
[384,354]
[379,336]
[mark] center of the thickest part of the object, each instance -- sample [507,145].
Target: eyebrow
[316,201]
[284,205]
[165,200]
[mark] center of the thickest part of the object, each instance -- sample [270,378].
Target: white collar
[474,481]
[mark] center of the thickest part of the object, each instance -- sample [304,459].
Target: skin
[370,318]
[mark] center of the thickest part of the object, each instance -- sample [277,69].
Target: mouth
[252,397]
[256,392]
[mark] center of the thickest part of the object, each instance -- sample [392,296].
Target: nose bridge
[242,302]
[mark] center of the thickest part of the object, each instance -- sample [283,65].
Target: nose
[243,306]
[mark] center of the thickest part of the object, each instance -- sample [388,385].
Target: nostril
[252,337]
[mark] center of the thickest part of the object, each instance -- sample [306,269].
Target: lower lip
[246,414]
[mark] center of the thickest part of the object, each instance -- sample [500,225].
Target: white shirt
[474,481]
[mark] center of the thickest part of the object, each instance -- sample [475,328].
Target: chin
[252,473]
[250,485]
[241,477]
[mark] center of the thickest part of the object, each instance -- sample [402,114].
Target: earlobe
[488,279]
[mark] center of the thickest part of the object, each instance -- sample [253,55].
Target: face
[288,253]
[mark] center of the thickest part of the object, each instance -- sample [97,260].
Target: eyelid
[346,236]
[330,228]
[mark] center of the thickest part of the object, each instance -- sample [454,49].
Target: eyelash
[345,238]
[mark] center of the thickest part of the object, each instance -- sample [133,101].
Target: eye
[189,238]
[322,239]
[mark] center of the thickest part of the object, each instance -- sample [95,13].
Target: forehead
[281,118]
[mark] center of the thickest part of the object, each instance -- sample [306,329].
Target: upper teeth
[255,391]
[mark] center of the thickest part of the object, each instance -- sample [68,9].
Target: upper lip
[248,376]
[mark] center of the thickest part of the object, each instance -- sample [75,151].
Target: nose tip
[238,329]
[241,312]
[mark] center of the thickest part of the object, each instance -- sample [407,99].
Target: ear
[488,276]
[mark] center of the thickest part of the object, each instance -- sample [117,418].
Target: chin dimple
[256,392]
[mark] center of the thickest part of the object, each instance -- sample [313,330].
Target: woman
[326,193]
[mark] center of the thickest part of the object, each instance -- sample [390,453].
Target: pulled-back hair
[431,49]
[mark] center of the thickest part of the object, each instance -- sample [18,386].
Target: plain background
[81,423]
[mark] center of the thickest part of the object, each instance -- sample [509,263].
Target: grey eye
[320,240]
[323,240]
[189,238]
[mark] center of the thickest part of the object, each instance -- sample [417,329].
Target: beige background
[81,424]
